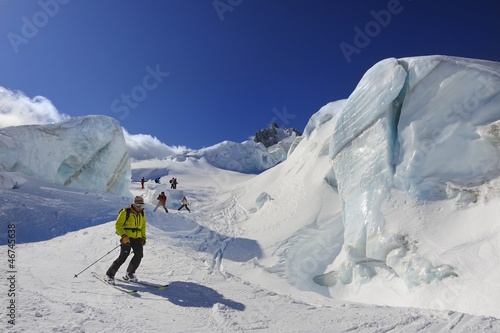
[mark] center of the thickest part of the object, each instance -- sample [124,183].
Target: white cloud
[17,109]
[145,146]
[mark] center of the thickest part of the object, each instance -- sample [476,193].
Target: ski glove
[125,239]
[143,241]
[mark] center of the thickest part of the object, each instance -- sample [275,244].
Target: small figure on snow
[142,183]
[162,201]
[184,203]
[131,226]
[157,180]
[173,183]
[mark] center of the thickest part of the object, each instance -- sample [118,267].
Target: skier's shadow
[189,294]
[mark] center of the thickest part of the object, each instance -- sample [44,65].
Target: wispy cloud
[145,146]
[18,109]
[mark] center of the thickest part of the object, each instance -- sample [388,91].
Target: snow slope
[220,276]
[281,251]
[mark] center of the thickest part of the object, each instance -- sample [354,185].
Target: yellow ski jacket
[134,226]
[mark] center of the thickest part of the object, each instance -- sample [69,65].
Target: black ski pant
[136,246]
[184,206]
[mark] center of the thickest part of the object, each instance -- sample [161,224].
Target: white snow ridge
[381,217]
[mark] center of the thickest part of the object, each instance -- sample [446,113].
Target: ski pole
[76,275]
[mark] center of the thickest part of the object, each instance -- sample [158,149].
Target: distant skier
[157,180]
[142,183]
[131,226]
[184,203]
[173,183]
[162,201]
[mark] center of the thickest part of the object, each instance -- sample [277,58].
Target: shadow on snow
[189,294]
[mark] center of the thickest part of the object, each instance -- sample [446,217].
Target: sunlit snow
[390,197]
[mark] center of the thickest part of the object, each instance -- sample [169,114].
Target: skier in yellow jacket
[131,226]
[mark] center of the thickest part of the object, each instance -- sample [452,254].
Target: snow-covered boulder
[273,135]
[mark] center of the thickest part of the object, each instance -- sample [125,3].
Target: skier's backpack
[127,209]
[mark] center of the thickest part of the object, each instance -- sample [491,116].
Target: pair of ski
[128,291]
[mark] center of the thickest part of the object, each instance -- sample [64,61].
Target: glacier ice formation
[425,126]
[86,153]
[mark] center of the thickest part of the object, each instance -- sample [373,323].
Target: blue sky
[194,73]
